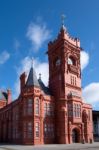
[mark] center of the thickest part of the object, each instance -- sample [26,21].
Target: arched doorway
[75,136]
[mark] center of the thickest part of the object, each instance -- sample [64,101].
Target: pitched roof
[32,78]
[3,95]
[44,88]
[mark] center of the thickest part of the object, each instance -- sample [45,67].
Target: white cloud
[38,33]
[84,59]
[4,56]
[91,94]
[40,67]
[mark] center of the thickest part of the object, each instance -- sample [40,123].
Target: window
[57,62]
[48,109]
[45,130]
[45,109]
[49,130]
[45,127]
[70,110]
[37,107]
[27,126]
[28,107]
[37,129]
[29,111]
[29,102]
[24,127]
[71,61]
[29,129]
[74,110]
[52,109]
[73,80]
[77,110]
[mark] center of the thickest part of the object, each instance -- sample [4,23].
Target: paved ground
[94,146]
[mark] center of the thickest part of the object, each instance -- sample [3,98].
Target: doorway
[75,136]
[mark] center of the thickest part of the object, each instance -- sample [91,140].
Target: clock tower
[65,85]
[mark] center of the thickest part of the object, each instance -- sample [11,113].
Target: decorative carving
[73,68]
[73,93]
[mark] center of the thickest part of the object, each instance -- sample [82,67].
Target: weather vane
[63,18]
[32,62]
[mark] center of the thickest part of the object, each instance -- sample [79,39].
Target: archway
[75,136]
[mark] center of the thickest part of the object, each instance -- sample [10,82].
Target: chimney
[9,100]
[22,80]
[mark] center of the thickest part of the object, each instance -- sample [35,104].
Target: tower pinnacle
[32,62]
[63,19]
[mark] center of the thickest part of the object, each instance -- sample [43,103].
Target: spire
[32,78]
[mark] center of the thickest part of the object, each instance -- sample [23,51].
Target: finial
[40,76]
[32,62]
[63,18]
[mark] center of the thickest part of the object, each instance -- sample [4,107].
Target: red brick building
[54,114]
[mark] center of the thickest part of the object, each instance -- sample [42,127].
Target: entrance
[75,136]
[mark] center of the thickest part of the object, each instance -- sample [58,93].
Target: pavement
[93,146]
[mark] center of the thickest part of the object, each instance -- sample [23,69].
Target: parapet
[63,34]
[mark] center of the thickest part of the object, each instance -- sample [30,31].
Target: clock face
[70,61]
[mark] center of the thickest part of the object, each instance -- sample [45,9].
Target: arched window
[57,62]
[71,61]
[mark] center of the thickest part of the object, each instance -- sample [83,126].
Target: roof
[95,112]
[3,95]
[32,78]
[44,88]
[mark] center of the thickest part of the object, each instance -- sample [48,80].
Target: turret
[22,80]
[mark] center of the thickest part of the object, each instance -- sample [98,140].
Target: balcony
[73,69]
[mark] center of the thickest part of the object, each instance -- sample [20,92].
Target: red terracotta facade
[56,114]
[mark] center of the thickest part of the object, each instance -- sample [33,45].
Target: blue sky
[23,22]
